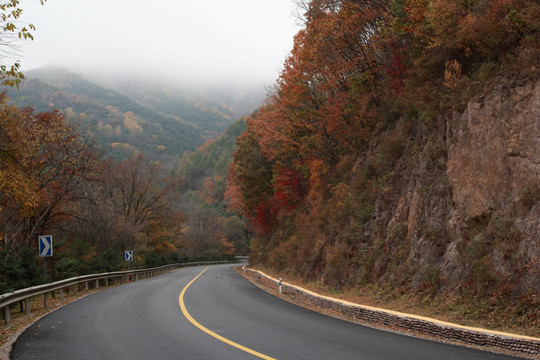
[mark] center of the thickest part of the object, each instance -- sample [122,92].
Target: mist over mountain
[130,115]
[231,100]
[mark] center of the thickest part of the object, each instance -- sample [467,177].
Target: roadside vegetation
[356,123]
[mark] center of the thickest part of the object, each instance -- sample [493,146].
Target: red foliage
[348,65]
[396,67]
[263,218]
[289,188]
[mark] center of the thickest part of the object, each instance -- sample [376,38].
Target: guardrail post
[62,294]
[97,284]
[46,300]
[74,289]
[27,305]
[86,286]
[106,282]
[7,314]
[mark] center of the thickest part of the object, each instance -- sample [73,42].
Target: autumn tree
[46,163]
[325,104]
[203,233]
[354,114]
[135,202]
[17,147]
[13,30]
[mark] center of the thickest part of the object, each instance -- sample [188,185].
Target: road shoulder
[421,327]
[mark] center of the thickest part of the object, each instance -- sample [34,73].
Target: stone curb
[525,345]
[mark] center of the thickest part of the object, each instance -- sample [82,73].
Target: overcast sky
[213,41]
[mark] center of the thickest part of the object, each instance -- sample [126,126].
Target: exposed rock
[461,198]
[494,150]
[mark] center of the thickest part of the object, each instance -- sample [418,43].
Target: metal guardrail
[7,299]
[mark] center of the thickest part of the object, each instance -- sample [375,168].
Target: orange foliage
[45,166]
[352,63]
[227,246]
[233,195]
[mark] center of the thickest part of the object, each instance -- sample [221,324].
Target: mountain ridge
[125,125]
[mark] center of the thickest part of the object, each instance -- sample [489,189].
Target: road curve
[144,320]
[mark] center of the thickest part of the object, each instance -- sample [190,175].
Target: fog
[197,42]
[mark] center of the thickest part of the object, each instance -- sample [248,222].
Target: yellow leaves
[127,148]
[17,148]
[9,27]
[14,183]
[41,160]
[165,247]
[227,246]
[105,128]
[11,76]
[318,174]
[131,123]
[10,12]
[452,73]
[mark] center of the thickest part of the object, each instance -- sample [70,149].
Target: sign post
[128,256]
[45,250]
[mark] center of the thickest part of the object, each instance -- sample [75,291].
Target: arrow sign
[129,255]
[45,246]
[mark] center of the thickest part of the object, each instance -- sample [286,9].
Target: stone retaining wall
[525,345]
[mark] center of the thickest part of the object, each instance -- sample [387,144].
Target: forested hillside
[211,109]
[400,151]
[53,181]
[103,173]
[210,228]
[397,154]
[123,126]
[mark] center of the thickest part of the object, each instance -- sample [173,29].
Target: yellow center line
[209,332]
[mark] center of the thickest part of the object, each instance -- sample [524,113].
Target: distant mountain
[158,122]
[212,109]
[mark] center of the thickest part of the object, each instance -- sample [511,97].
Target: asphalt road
[144,320]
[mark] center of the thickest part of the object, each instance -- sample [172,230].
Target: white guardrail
[7,299]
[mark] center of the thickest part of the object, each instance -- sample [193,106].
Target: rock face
[434,205]
[493,169]
[494,150]
[467,199]
[470,198]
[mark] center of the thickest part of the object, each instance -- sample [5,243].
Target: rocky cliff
[493,169]
[436,204]
[463,211]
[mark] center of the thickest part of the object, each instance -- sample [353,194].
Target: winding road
[193,313]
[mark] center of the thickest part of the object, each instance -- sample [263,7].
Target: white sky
[211,41]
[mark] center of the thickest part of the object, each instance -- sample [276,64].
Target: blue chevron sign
[45,246]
